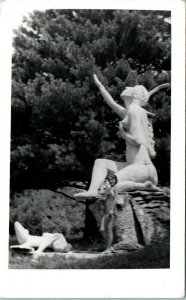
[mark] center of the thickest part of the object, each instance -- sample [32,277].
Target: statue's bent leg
[126,186]
[99,173]
[139,174]
[22,234]
[46,240]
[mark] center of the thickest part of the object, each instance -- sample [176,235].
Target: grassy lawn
[153,256]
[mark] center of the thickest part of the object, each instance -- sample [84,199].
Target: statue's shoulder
[135,109]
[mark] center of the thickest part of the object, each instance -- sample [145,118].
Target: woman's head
[136,93]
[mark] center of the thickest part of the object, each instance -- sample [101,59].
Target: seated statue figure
[138,171]
[29,242]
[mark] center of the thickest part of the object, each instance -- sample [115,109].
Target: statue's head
[137,93]
[140,94]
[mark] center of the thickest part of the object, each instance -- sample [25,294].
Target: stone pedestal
[140,218]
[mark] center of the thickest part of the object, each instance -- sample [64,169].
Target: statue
[28,242]
[138,172]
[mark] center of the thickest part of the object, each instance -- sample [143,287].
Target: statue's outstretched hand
[96,80]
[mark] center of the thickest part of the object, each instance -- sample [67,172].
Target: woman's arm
[118,109]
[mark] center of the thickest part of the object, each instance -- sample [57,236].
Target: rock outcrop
[141,218]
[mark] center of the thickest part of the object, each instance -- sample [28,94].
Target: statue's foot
[109,250]
[35,257]
[151,187]
[88,194]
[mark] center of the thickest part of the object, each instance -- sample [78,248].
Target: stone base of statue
[140,218]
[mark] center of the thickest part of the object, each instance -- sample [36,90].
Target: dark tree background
[60,122]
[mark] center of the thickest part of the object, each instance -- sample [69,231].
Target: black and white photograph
[90,184]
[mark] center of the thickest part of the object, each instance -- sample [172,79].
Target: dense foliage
[60,122]
[42,211]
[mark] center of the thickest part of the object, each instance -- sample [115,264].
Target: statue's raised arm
[118,109]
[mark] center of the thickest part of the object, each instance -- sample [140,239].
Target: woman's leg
[99,173]
[107,230]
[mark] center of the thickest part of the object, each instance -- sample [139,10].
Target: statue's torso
[137,120]
[137,155]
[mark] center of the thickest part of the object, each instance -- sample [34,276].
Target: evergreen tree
[60,122]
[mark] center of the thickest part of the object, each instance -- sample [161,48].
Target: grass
[153,256]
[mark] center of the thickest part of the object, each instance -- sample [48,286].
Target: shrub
[45,211]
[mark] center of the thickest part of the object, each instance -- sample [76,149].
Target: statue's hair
[149,128]
[150,141]
[149,137]
[139,92]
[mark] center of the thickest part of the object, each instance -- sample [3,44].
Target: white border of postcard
[152,283]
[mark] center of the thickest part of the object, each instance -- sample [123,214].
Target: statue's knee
[99,161]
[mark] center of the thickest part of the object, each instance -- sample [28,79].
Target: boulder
[141,218]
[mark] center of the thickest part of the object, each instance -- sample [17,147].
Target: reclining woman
[138,172]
